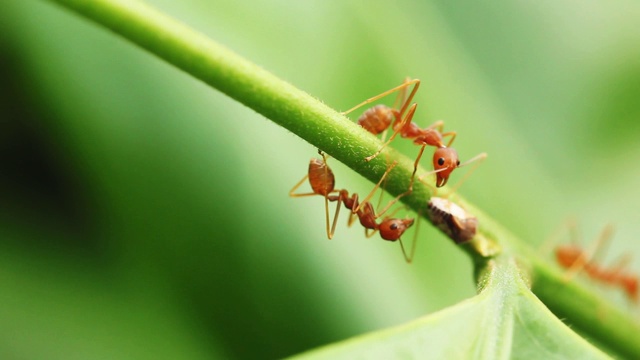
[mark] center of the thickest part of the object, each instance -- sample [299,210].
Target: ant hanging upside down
[322,182]
[380,118]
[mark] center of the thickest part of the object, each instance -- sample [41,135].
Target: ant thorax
[452,219]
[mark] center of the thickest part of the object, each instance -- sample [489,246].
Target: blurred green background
[145,215]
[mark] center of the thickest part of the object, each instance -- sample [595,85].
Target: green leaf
[504,321]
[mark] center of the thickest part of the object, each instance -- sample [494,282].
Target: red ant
[322,181]
[379,118]
[575,259]
[391,229]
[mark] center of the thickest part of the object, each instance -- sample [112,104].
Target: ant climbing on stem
[322,181]
[380,118]
[390,229]
[573,258]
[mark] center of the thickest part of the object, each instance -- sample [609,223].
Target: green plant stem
[328,130]
[242,80]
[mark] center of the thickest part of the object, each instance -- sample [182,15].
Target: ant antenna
[447,166]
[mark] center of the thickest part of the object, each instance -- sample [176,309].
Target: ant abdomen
[377,119]
[321,177]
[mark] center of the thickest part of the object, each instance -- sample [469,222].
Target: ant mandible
[322,181]
[574,259]
[379,118]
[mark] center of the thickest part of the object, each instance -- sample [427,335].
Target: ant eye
[441,161]
[458,163]
[394,226]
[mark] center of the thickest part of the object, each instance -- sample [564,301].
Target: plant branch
[243,81]
[328,130]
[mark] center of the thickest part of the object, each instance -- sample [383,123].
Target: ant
[575,259]
[391,229]
[380,118]
[322,181]
[452,219]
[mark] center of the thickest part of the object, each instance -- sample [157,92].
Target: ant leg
[366,199]
[546,247]
[393,212]
[383,136]
[453,136]
[576,267]
[355,205]
[582,259]
[406,120]
[587,256]
[409,258]
[379,204]
[335,216]
[326,199]
[401,98]
[391,203]
[603,240]
[331,231]
[352,217]
[326,204]
[438,125]
[404,85]
[628,282]
[479,158]
[620,265]
[296,186]
[368,233]
[415,166]
[380,199]
[408,100]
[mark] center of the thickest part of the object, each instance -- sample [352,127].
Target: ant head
[445,160]
[567,255]
[392,229]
